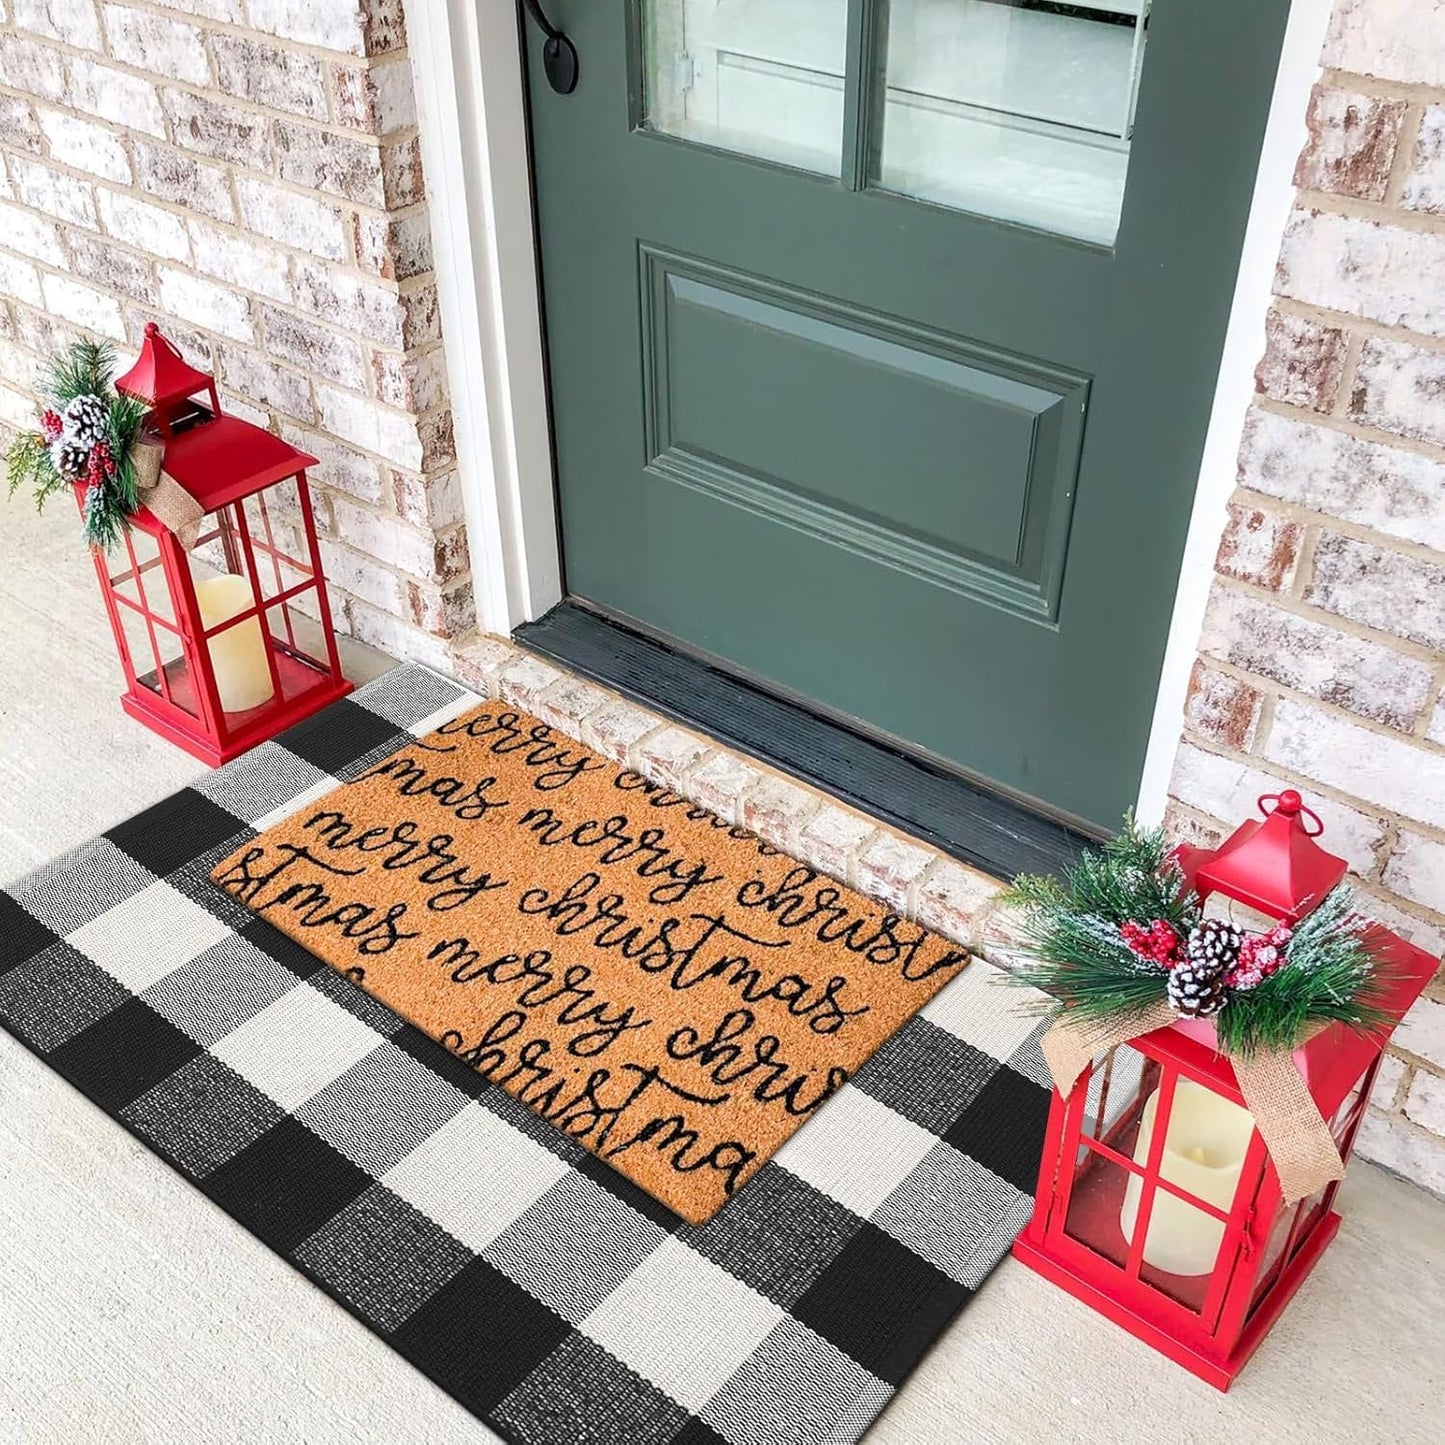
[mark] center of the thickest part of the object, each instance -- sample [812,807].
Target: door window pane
[1020,109]
[762,77]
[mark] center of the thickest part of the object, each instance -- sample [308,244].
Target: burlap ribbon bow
[1298,1139]
[164,497]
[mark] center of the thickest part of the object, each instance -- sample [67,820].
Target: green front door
[882,342]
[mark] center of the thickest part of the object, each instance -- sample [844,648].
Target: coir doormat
[669,991]
[543,1290]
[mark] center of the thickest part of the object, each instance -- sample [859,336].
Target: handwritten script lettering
[655,982]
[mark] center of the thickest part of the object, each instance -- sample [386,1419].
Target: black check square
[345,739]
[286,1185]
[789,1317]
[131,1049]
[22,935]
[1004,1128]
[880,1303]
[176,832]
[202,1115]
[480,1336]
[382,1256]
[581,1395]
[54,995]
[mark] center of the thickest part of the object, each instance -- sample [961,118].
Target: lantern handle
[1291,805]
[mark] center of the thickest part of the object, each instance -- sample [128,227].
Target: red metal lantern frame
[228,466]
[1210,1323]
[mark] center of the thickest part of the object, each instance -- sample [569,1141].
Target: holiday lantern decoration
[1210,1076]
[214,587]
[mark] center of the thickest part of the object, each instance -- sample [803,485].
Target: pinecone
[1196,992]
[69,458]
[1213,943]
[85,421]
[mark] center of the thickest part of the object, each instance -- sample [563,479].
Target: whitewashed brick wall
[1323,651]
[246,172]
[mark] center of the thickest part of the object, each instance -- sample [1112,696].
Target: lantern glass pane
[158,657]
[1291,1229]
[274,526]
[1206,1139]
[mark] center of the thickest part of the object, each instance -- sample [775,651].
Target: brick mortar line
[1424,745]
[233,168]
[1271,689]
[1430,450]
[315,424]
[397,571]
[1248,497]
[408,286]
[1403,164]
[1377,88]
[1359,326]
[209,26]
[49,268]
[1345,626]
[1332,203]
[1308,785]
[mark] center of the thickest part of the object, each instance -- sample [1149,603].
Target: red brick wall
[1323,650]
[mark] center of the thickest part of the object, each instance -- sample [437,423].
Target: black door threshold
[985,829]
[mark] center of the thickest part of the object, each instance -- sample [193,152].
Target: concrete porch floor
[132,1309]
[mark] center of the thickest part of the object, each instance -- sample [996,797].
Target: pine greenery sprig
[84,369]
[1074,949]
[1331,976]
[1071,928]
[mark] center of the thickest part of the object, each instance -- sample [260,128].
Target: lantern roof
[227,458]
[1273,864]
[161,373]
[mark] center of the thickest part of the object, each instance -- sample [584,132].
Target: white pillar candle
[1204,1148]
[238,655]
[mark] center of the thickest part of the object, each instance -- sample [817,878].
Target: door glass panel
[762,77]
[1019,109]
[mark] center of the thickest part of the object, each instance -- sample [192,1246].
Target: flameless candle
[1204,1148]
[238,655]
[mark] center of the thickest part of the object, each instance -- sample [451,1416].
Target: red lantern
[219,658]
[1158,1203]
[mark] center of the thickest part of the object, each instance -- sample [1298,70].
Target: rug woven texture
[548,1294]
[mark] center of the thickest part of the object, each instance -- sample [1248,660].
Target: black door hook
[559,55]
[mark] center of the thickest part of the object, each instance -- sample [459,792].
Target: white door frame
[466,63]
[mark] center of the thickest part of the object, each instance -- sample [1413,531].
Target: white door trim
[466,63]
[1284,138]
[467,69]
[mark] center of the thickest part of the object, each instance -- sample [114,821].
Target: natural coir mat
[666,989]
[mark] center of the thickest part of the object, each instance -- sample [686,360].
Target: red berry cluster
[1157,941]
[102,464]
[51,425]
[1260,955]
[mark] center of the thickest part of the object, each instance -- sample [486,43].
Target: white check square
[296,1047]
[282,811]
[682,1322]
[475,1175]
[149,935]
[985,1009]
[448,713]
[855,1150]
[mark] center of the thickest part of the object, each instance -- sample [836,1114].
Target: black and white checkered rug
[541,1289]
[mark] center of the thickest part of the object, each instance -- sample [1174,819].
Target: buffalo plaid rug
[545,1292]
